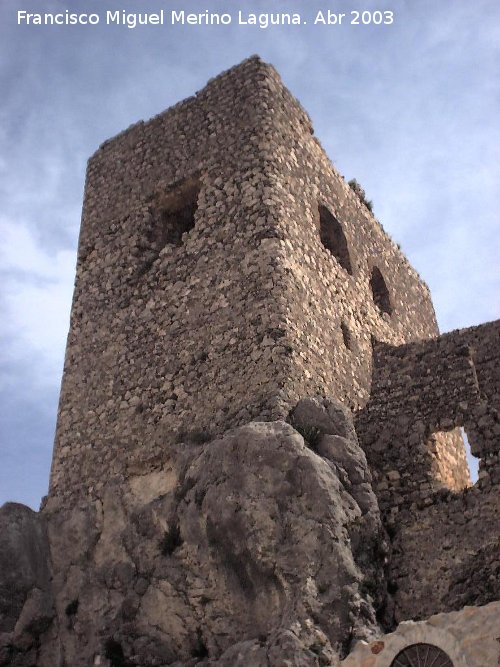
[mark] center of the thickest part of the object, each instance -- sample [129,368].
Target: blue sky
[411,110]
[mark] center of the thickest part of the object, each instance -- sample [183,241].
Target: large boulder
[248,550]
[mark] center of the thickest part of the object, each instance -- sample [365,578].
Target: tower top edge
[253,71]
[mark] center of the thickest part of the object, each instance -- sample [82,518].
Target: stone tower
[225,270]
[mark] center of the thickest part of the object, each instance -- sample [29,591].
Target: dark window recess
[174,215]
[422,655]
[346,335]
[380,292]
[333,238]
[114,653]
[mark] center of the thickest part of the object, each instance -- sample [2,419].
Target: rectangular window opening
[451,465]
[174,213]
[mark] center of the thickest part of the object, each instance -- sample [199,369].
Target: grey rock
[24,560]
[328,415]
[27,632]
[346,453]
[245,654]
[250,551]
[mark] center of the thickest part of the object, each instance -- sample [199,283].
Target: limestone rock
[328,415]
[250,555]
[26,603]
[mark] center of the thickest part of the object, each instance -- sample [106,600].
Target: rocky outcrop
[26,603]
[259,549]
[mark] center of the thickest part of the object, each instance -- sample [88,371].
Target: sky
[409,109]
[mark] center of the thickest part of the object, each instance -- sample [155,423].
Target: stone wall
[468,638]
[333,306]
[426,388]
[445,543]
[225,270]
[447,554]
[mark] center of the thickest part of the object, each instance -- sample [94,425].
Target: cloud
[37,289]
[34,310]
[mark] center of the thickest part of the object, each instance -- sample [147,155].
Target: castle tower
[225,270]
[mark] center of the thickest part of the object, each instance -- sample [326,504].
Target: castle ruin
[259,456]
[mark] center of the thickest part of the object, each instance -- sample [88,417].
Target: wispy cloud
[37,289]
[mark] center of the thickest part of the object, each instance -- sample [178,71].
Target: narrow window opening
[175,214]
[333,238]
[471,459]
[380,292]
[451,465]
[346,335]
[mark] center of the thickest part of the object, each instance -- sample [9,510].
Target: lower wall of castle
[469,638]
[446,555]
